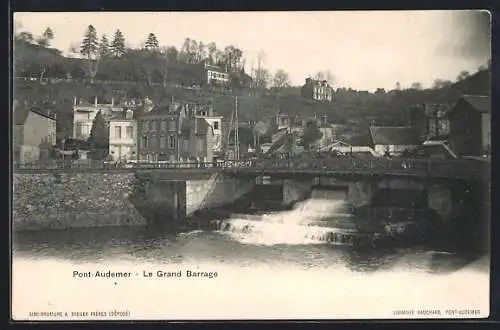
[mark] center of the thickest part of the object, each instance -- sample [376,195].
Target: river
[274,266]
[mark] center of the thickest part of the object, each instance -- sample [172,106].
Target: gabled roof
[480,103]
[21,113]
[280,142]
[202,126]
[387,135]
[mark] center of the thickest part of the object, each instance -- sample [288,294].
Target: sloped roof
[21,113]
[479,102]
[280,142]
[393,135]
[202,126]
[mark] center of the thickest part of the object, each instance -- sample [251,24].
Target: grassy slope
[251,108]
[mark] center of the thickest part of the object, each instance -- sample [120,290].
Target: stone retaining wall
[73,200]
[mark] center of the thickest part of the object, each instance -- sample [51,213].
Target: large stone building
[34,133]
[181,131]
[470,126]
[317,90]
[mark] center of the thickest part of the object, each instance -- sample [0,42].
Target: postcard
[251,165]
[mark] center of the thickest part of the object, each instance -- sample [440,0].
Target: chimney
[112,101]
[55,116]
[74,101]
[95,101]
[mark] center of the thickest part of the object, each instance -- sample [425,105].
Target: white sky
[363,50]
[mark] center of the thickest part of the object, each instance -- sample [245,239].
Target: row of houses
[193,131]
[435,130]
[459,130]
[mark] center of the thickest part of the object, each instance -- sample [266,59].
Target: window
[144,142]
[171,141]
[130,132]
[146,125]
[216,125]
[118,132]
[163,142]
[163,125]
[171,125]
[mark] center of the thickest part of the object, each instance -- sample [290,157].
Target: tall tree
[152,43]
[118,44]
[46,37]
[184,54]
[212,50]
[48,34]
[280,81]
[99,133]
[202,52]
[90,49]
[104,46]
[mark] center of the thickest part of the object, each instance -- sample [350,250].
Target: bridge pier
[169,204]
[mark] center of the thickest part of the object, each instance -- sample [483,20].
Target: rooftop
[479,102]
[21,113]
[387,135]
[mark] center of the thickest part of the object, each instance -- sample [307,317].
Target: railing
[399,166]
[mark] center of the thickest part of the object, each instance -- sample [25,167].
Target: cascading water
[322,218]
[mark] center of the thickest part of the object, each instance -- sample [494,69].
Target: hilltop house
[393,140]
[34,133]
[317,90]
[470,126]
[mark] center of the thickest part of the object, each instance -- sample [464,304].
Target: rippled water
[269,266]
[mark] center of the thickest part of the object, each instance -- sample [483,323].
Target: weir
[73,200]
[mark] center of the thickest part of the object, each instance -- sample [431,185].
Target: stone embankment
[69,200]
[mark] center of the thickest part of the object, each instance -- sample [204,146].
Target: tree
[311,134]
[118,44]
[416,85]
[262,77]
[26,36]
[152,44]
[48,35]
[99,133]
[212,50]
[90,49]
[104,46]
[463,75]
[280,81]
[439,83]
[45,38]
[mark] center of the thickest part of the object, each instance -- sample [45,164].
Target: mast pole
[236,130]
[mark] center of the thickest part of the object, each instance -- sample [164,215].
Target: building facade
[84,114]
[123,137]
[183,131]
[393,141]
[430,121]
[34,134]
[470,126]
[317,90]
[215,75]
